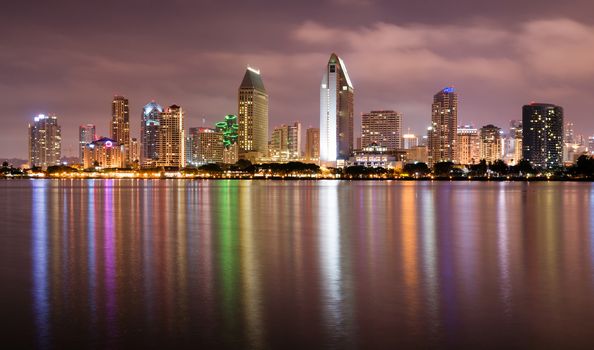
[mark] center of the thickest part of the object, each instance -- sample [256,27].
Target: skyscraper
[312,145]
[469,147]
[171,138]
[45,141]
[207,145]
[444,125]
[86,135]
[336,113]
[286,142]
[491,145]
[542,143]
[253,113]
[134,150]
[120,123]
[383,128]
[149,131]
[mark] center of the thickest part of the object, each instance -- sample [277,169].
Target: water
[327,264]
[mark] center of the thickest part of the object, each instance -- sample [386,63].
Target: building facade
[409,141]
[491,143]
[86,135]
[134,154]
[207,146]
[171,138]
[45,141]
[253,114]
[285,143]
[149,131]
[312,145]
[336,113]
[469,146]
[542,135]
[383,128]
[442,135]
[120,123]
[104,153]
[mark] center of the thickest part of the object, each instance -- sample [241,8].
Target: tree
[584,166]
[211,168]
[499,167]
[417,168]
[443,168]
[523,167]
[479,169]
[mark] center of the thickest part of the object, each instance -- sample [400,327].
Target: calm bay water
[272,264]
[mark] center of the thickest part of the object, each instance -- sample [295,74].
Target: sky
[70,57]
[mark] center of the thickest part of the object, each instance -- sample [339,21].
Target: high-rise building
[253,114]
[45,141]
[568,131]
[336,113]
[444,125]
[409,141]
[514,154]
[469,150]
[591,145]
[312,145]
[286,142]
[86,135]
[207,146]
[542,141]
[149,131]
[383,128]
[171,138]
[229,128]
[491,145]
[120,123]
[134,151]
[104,153]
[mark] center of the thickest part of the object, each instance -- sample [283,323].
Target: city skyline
[56,71]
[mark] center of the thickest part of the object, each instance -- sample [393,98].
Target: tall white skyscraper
[336,113]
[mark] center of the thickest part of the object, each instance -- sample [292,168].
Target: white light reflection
[329,235]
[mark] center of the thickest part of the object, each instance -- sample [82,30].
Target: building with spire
[120,123]
[149,131]
[336,113]
[252,114]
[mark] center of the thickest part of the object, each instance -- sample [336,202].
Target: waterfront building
[417,154]
[134,151]
[444,124]
[86,135]
[45,141]
[230,130]
[104,153]
[468,146]
[188,148]
[312,145]
[382,127]
[409,141]
[490,143]
[373,156]
[336,113]
[253,114]
[171,138]
[207,146]
[120,123]
[285,143]
[149,131]
[542,141]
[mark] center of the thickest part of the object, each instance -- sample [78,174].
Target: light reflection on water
[259,264]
